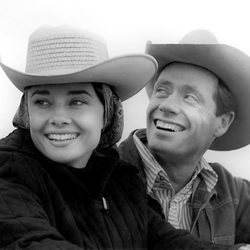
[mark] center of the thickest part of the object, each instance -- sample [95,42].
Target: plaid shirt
[175,205]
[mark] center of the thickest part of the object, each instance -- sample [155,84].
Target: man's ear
[224,122]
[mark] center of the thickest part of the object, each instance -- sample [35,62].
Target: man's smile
[168,126]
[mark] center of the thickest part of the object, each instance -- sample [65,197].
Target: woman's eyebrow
[79,92]
[40,92]
[71,92]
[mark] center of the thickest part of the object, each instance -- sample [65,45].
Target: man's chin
[157,148]
[163,148]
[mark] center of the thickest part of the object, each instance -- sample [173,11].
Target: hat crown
[63,50]
[199,37]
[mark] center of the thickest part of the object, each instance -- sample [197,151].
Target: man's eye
[192,98]
[161,91]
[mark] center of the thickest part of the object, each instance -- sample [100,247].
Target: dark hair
[224,99]
[99,92]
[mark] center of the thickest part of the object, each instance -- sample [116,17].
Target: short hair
[224,99]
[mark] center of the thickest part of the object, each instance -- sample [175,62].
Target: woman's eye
[42,103]
[77,102]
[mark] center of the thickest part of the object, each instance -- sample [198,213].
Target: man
[199,100]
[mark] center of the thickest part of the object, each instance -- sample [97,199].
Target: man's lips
[61,136]
[168,126]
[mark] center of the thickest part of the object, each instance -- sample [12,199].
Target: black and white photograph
[125,125]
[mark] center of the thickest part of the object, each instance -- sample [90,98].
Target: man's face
[65,121]
[181,120]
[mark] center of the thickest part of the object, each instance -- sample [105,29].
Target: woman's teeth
[62,137]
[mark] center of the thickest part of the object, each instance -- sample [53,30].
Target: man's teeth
[169,126]
[61,137]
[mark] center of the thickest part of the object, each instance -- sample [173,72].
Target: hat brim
[127,74]
[230,65]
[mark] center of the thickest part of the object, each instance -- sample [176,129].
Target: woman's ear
[224,122]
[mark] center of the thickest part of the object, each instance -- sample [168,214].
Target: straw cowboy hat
[201,48]
[64,54]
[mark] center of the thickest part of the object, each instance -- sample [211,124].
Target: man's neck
[179,172]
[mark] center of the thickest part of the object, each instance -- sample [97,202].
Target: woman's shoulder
[18,160]
[19,167]
[18,140]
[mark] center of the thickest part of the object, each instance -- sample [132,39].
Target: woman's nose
[59,118]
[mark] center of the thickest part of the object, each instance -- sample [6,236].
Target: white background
[126,26]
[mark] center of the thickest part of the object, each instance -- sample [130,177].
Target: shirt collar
[154,170]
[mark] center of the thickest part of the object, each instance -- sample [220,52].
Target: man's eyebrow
[40,92]
[163,82]
[79,92]
[191,88]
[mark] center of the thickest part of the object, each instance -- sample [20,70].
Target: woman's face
[65,121]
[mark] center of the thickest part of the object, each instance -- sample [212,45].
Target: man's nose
[170,104]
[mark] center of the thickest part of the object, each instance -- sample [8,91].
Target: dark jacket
[221,216]
[46,205]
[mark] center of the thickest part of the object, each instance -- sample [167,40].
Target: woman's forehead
[62,88]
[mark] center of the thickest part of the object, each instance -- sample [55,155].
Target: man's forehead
[179,70]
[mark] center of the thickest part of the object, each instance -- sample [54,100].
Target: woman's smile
[62,136]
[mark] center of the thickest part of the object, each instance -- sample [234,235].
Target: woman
[62,186]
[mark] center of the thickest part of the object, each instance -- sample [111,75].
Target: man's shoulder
[227,181]
[129,138]
[222,170]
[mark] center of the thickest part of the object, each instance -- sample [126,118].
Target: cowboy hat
[64,54]
[232,66]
